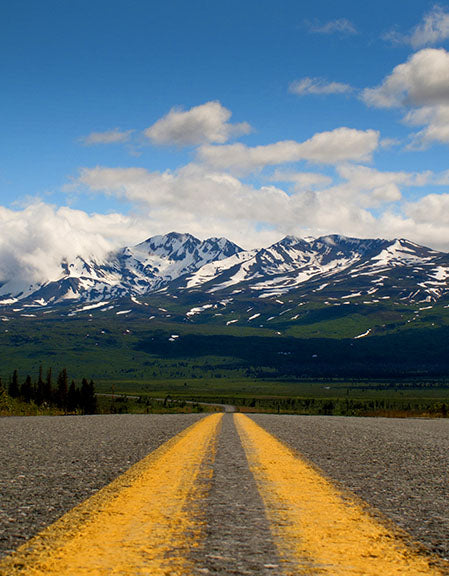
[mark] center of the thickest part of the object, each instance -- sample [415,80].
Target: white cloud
[387,143]
[373,187]
[206,202]
[302,180]
[35,240]
[200,124]
[422,85]
[436,122]
[433,208]
[110,137]
[193,199]
[338,26]
[433,29]
[318,86]
[422,80]
[339,145]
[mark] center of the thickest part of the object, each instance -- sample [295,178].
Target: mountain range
[331,268]
[178,307]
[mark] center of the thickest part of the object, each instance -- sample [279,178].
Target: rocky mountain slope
[330,268]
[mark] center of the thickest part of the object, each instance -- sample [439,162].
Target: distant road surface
[224,494]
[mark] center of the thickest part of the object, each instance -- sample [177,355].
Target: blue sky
[122,119]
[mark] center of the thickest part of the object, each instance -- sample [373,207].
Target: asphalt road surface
[399,466]
[233,491]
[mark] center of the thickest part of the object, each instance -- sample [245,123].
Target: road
[224,494]
[220,407]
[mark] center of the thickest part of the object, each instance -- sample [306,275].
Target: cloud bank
[254,195]
[339,145]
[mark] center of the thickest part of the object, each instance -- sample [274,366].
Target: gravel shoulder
[50,464]
[399,466]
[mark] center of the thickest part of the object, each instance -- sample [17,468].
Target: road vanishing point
[223,496]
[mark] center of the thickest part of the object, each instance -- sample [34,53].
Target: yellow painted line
[319,529]
[143,523]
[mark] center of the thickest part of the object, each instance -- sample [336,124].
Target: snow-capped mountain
[331,267]
[287,264]
[135,270]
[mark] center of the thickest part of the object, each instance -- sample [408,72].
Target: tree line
[45,391]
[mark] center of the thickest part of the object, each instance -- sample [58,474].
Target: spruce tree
[13,388]
[88,400]
[40,388]
[72,398]
[48,388]
[92,398]
[26,390]
[62,390]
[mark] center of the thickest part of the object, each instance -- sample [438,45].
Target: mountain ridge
[333,266]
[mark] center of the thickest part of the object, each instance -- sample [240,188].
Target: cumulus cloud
[204,201]
[35,240]
[192,192]
[302,180]
[387,143]
[339,145]
[380,187]
[433,208]
[422,85]
[110,137]
[422,80]
[435,120]
[359,200]
[341,26]
[433,29]
[206,123]
[209,202]
[308,85]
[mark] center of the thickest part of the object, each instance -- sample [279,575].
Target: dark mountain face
[330,267]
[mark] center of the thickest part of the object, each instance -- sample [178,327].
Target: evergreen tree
[48,388]
[62,390]
[40,388]
[26,390]
[88,400]
[13,388]
[92,398]
[72,397]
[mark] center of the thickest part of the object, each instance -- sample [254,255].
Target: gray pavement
[237,534]
[400,466]
[49,464]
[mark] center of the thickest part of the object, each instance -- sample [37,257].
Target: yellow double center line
[317,528]
[145,522]
[141,524]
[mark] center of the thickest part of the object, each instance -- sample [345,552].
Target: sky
[122,119]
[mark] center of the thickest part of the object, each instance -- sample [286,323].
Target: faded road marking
[141,524]
[318,527]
